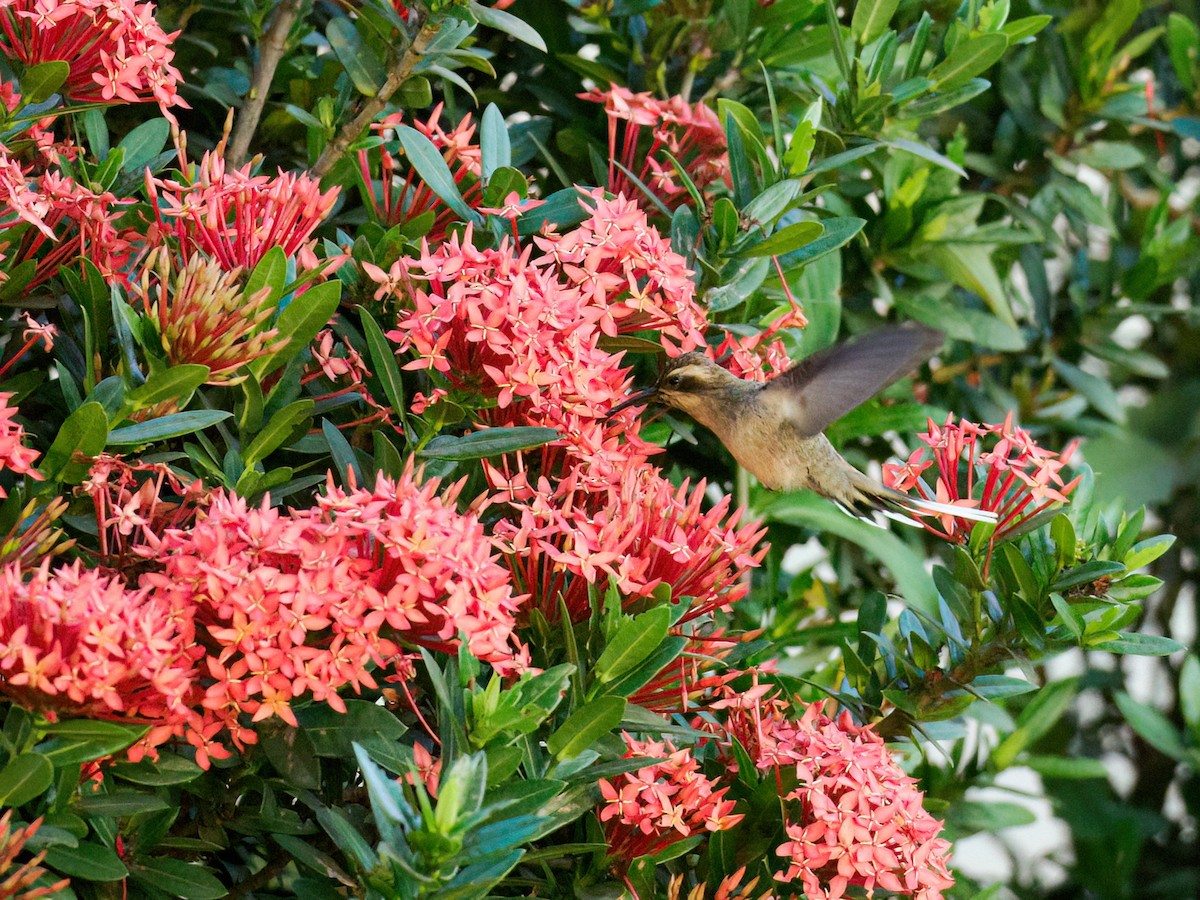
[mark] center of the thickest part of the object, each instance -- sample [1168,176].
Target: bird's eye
[674,380]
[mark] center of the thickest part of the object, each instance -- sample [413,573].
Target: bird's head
[692,383]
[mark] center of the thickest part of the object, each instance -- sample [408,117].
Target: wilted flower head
[234,217]
[858,819]
[648,810]
[80,644]
[689,132]
[17,881]
[116,50]
[204,316]
[1016,479]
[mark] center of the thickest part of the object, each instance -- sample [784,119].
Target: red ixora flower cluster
[1016,479]
[304,602]
[648,810]
[861,822]
[234,217]
[689,132]
[14,455]
[77,642]
[17,880]
[116,50]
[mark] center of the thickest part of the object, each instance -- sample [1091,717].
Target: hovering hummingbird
[775,429]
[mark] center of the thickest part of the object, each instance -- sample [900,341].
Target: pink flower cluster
[641,532]
[689,132]
[78,642]
[234,217]
[116,49]
[14,455]
[648,810]
[1016,479]
[861,822]
[73,220]
[304,602]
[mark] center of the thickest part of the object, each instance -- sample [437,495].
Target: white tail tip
[947,509]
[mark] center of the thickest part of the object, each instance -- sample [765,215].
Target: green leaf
[871,18]
[25,777]
[90,862]
[1020,29]
[1035,720]
[357,58]
[488,442]
[143,144]
[635,640]
[277,430]
[299,322]
[40,82]
[924,151]
[970,58]
[1001,687]
[1086,573]
[495,148]
[271,272]
[1139,645]
[429,164]
[838,232]
[1183,45]
[1151,725]
[176,384]
[1067,768]
[508,23]
[970,265]
[333,733]
[165,427]
[1145,552]
[179,879]
[81,437]
[585,726]
[167,770]
[907,566]
[345,460]
[970,816]
[120,804]
[962,323]
[786,240]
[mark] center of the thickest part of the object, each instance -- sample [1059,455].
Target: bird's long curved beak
[633,400]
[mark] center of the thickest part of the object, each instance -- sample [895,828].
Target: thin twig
[399,74]
[270,52]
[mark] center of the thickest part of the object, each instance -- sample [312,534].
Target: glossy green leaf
[508,23]
[25,777]
[165,427]
[1151,725]
[585,726]
[429,164]
[276,432]
[271,272]
[635,640]
[488,442]
[1035,720]
[176,384]
[178,878]
[41,81]
[299,322]
[786,240]
[871,18]
[88,861]
[971,57]
[81,437]
[357,58]
[1139,645]
[494,145]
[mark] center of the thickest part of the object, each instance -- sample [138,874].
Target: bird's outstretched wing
[825,386]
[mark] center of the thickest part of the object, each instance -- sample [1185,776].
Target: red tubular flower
[648,810]
[642,532]
[17,881]
[860,820]
[393,199]
[78,643]
[234,217]
[116,50]
[1016,479]
[690,133]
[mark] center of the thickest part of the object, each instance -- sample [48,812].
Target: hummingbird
[775,429]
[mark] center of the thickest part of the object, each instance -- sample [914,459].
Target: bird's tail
[872,497]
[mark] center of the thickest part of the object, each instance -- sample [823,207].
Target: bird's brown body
[775,429]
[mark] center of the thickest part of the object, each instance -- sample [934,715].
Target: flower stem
[270,52]
[400,73]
